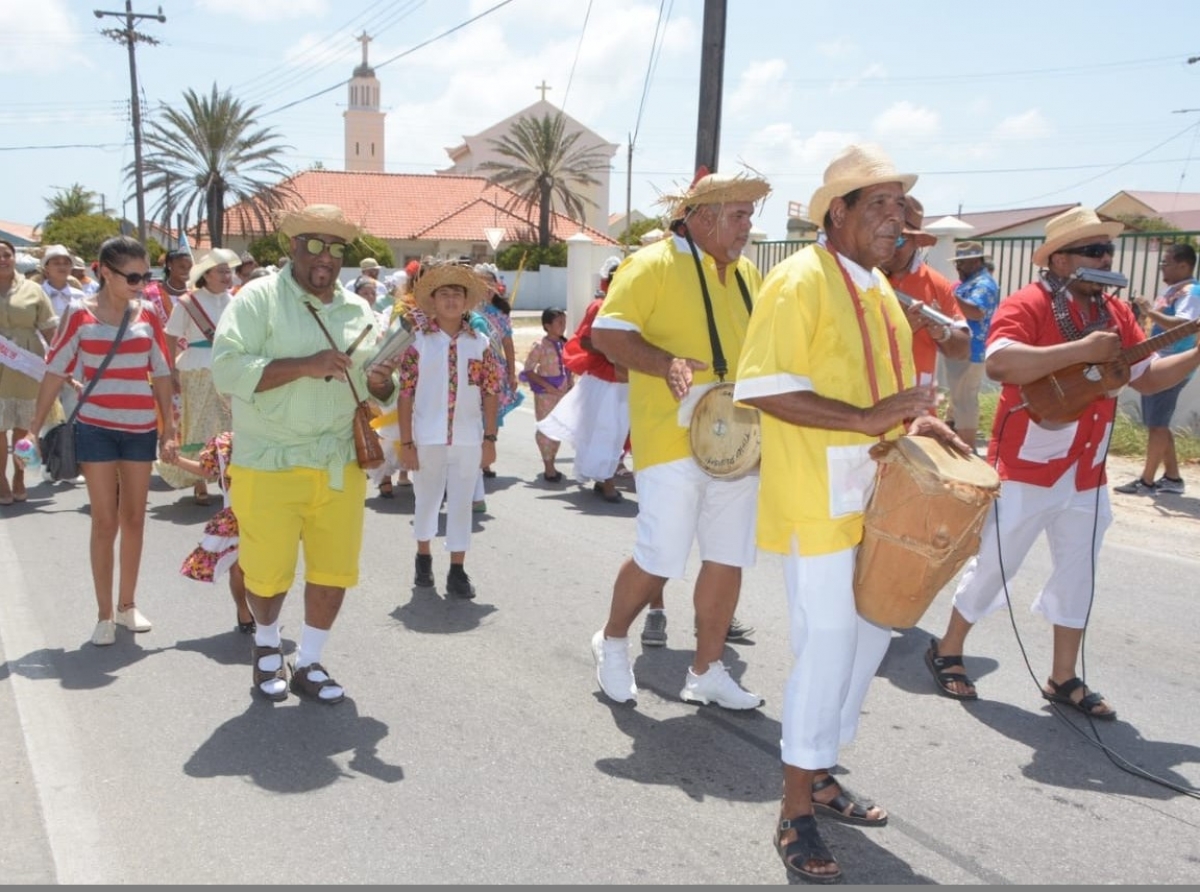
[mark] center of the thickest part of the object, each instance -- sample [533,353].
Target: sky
[1007,105]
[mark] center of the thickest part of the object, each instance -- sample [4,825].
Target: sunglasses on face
[133,279]
[1094,251]
[315,246]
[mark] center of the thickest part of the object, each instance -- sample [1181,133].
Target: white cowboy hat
[434,275]
[53,251]
[855,167]
[317,219]
[1071,226]
[213,258]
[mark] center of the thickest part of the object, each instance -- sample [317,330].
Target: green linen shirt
[307,423]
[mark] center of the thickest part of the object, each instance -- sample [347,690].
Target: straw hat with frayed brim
[317,219]
[434,277]
[1072,226]
[213,258]
[716,188]
[856,167]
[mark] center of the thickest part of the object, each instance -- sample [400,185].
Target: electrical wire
[651,64]
[582,32]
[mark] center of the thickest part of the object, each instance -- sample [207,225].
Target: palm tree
[73,201]
[545,168]
[211,149]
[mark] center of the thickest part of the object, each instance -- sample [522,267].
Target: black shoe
[424,574]
[248,628]
[458,583]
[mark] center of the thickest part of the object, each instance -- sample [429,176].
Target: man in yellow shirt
[828,363]
[671,310]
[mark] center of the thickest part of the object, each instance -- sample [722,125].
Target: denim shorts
[99,444]
[1159,408]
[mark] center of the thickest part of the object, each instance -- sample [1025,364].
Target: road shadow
[184,512]
[290,747]
[863,860]
[904,663]
[231,648]
[428,613]
[584,500]
[88,668]
[1170,506]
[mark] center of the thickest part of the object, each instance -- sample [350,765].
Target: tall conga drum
[921,525]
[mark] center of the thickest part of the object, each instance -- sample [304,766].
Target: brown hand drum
[921,526]
[725,438]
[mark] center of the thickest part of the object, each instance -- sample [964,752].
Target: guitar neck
[1140,351]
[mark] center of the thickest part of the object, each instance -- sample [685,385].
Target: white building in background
[362,120]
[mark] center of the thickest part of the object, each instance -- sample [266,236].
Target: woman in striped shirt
[116,431]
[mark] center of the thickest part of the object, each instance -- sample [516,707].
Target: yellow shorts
[278,510]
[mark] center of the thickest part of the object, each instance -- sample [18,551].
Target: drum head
[930,456]
[724,436]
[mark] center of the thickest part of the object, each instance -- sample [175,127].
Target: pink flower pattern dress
[218,549]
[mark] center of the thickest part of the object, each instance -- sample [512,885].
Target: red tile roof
[419,207]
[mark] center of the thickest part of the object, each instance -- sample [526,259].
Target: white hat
[213,258]
[855,167]
[53,251]
[368,263]
[1071,226]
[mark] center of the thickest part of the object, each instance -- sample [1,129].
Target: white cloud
[44,41]
[265,10]
[1030,124]
[838,48]
[793,162]
[904,120]
[761,82]
[874,71]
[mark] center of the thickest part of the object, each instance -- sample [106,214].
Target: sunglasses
[1094,251]
[315,246]
[133,279]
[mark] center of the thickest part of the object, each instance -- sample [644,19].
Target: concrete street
[474,746]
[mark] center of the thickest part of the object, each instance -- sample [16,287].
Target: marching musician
[828,361]
[667,309]
[1052,473]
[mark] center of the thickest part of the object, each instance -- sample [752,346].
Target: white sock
[312,642]
[268,636]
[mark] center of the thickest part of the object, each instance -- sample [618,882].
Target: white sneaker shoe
[133,620]
[717,686]
[105,634]
[614,669]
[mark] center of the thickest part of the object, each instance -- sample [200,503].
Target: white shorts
[678,504]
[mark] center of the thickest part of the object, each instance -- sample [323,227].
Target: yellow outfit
[805,336]
[656,292]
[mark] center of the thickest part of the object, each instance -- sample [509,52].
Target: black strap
[720,366]
[112,350]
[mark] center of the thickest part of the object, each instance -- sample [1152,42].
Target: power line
[651,64]
[394,58]
[108,147]
[582,33]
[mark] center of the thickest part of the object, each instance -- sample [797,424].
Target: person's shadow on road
[430,614]
[291,747]
[85,669]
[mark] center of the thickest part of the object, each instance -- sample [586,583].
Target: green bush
[81,235]
[510,257]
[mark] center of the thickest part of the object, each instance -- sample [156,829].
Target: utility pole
[130,38]
[712,76]
[628,197]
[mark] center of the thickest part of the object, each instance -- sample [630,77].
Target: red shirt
[1041,454]
[588,362]
[930,287]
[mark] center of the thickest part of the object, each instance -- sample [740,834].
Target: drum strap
[868,353]
[720,366]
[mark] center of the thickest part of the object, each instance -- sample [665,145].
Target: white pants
[1071,520]
[835,653]
[452,471]
[678,504]
[594,418]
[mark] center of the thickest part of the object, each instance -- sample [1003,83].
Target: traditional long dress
[218,549]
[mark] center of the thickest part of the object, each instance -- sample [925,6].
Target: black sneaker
[424,575]
[738,631]
[458,583]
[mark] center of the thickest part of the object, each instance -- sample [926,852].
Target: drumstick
[354,345]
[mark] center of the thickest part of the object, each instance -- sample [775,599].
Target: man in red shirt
[1053,473]
[910,274]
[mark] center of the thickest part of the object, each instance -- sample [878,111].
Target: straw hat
[368,263]
[914,217]
[967,251]
[716,188]
[433,276]
[213,258]
[1071,226]
[317,219]
[855,167]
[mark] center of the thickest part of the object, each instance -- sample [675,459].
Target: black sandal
[843,808]
[262,676]
[807,846]
[1091,701]
[939,664]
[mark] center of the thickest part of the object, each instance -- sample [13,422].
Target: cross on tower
[364,40]
[543,86]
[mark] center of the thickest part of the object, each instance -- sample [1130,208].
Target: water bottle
[27,453]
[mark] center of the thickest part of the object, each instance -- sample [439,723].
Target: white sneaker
[717,686]
[614,669]
[105,634]
[133,620]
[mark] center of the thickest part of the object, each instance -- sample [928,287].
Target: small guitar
[1064,396]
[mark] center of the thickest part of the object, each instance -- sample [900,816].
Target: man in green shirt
[294,477]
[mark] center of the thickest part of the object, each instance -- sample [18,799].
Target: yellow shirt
[805,336]
[656,292]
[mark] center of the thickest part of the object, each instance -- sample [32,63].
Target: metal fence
[1137,257]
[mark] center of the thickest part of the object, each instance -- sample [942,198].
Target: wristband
[409,443]
[491,438]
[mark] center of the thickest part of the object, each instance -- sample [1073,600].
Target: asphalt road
[474,746]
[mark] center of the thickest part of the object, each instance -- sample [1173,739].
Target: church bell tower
[363,119]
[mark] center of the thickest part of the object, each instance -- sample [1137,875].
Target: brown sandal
[305,686]
[262,676]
